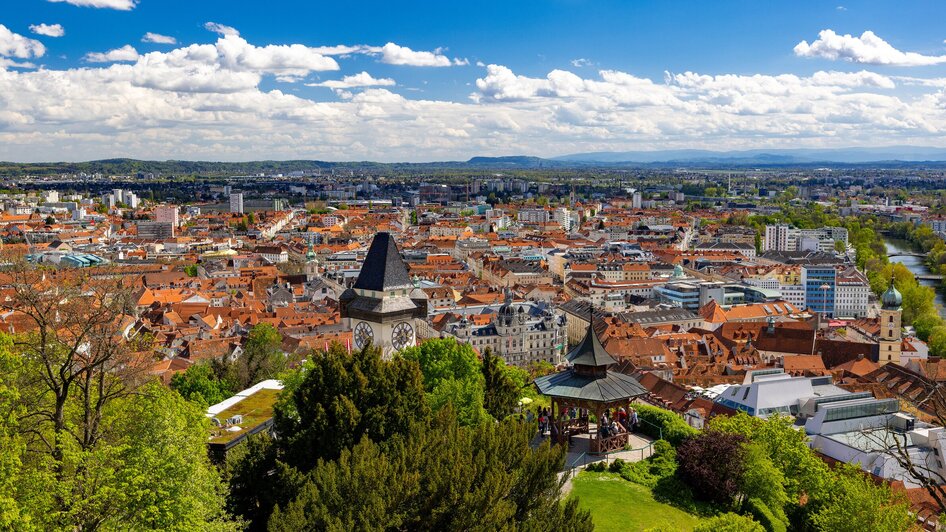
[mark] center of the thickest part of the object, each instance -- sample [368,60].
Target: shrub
[663,448]
[712,463]
[761,513]
[596,467]
[662,463]
[659,423]
[616,465]
[729,522]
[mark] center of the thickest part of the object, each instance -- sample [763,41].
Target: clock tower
[383,306]
[890,316]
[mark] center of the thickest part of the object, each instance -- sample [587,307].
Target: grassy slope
[617,504]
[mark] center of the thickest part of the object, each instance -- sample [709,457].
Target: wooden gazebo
[589,384]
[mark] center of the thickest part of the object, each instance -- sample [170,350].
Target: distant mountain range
[888,157]
[803,156]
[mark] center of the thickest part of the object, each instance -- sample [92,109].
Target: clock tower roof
[383,268]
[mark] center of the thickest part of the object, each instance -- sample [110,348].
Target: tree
[786,447]
[853,502]
[729,522]
[451,375]
[75,364]
[763,481]
[13,514]
[338,398]
[710,477]
[447,477]
[199,384]
[147,468]
[163,475]
[501,390]
[262,356]
[258,481]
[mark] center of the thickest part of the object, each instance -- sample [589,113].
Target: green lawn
[617,504]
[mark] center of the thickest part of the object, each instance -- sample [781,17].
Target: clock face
[403,335]
[363,335]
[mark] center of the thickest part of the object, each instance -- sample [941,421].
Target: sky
[234,80]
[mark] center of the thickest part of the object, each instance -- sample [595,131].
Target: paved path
[578,456]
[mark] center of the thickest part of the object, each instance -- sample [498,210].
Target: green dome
[891,298]
[678,272]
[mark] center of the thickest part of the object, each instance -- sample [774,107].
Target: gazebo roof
[590,352]
[568,384]
[589,378]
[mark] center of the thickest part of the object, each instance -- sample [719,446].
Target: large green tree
[438,476]
[503,385]
[262,357]
[452,375]
[339,398]
[201,385]
[853,502]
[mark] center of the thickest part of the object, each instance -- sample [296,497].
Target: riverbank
[917,266]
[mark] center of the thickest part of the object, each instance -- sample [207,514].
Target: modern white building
[783,237]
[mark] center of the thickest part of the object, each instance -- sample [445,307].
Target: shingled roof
[383,268]
[590,352]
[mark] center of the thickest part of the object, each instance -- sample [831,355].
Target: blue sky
[462,79]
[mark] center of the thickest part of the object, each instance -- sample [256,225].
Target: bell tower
[383,306]
[890,323]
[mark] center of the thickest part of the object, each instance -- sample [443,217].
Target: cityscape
[256,287]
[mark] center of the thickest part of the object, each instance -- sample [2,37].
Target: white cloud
[122,5]
[394,54]
[362,79]
[581,62]
[125,53]
[49,30]
[208,101]
[16,45]
[220,28]
[157,38]
[841,8]
[867,49]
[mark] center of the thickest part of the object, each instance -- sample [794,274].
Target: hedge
[659,423]
[761,513]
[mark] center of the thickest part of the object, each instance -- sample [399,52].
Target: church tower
[890,316]
[383,306]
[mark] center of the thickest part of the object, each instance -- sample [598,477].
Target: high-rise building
[236,202]
[637,200]
[820,283]
[154,230]
[168,214]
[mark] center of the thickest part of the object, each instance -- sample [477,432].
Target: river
[915,265]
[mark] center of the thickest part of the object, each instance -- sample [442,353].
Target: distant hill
[887,157]
[803,156]
[516,161]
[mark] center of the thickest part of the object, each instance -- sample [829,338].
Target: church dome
[678,272]
[891,298]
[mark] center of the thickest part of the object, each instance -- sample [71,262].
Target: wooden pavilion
[589,384]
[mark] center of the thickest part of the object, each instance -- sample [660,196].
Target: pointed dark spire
[383,268]
[590,352]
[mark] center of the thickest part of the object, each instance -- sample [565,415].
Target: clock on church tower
[382,307]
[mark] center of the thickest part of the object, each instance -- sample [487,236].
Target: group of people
[612,422]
